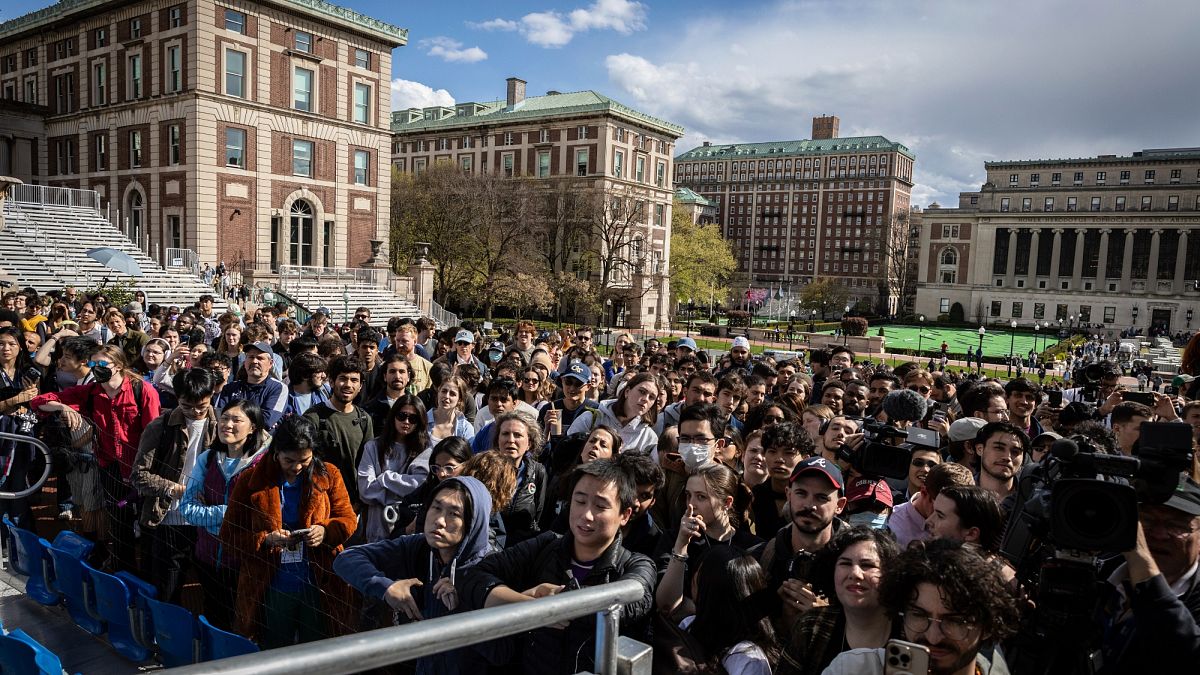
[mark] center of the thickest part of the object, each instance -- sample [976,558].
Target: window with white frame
[304,42]
[174,65]
[235,147]
[135,148]
[618,163]
[235,21]
[362,103]
[302,158]
[543,164]
[581,162]
[173,143]
[362,58]
[99,83]
[175,17]
[135,76]
[100,151]
[362,163]
[302,86]
[235,73]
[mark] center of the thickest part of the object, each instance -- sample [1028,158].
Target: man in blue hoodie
[417,575]
[257,385]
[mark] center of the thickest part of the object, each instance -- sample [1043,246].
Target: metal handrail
[442,316]
[45,450]
[385,646]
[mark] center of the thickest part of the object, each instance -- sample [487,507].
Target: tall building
[249,132]
[802,210]
[583,136]
[1106,240]
[699,210]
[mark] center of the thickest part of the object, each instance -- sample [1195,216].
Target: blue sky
[959,82]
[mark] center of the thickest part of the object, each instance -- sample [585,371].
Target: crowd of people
[803,516]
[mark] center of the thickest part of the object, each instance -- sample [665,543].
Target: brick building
[1107,240]
[809,209]
[249,132]
[584,137]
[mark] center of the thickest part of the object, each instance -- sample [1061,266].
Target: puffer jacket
[524,511]
[547,559]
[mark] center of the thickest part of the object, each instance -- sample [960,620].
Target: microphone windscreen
[905,404]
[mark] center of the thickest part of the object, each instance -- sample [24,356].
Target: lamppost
[1036,334]
[1189,318]
[1135,313]
[345,303]
[812,321]
[979,354]
[688,317]
[791,327]
[920,333]
[1012,339]
[845,335]
[1071,323]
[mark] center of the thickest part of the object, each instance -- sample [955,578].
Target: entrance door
[1160,321]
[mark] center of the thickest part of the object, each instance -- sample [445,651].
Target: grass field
[995,342]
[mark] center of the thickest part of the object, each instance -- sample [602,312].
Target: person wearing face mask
[416,576]
[166,456]
[717,514]
[240,441]
[868,502]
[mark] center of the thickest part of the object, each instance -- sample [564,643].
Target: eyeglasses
[411,418]
[362,317]
[702,440]
[1161,528]
[953,627]
[772,419]
[922,390]
[531,380]
[925,463]
[97,364]
[583,338]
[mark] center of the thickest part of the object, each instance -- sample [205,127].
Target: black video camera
[879,456]
[1088,378]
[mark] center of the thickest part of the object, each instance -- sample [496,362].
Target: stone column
[1055,258]
[1033,258]
[1180,263]
[1077,271]
[1011,272]
[1152,271]
[1102,262]
[1127,264]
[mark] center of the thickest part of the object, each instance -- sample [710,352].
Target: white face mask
[875,521]
[695,455]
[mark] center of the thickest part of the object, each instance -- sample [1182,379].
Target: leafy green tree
[702,260]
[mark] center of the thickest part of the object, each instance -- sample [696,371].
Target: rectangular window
[544,136]
[641,170]
[135,76]
[1027,204]
[362,58]
[995,308]
[1049,204]
[1149,176]
[1120,204]
[302,83]
[618,163]
[543,164]
[465,164]
[64,92]
[235,21]
[304,42]
[135,28]
[659,213]
[362,103]
[362,160]
[101,37]
[1101,176]
[581,162]
[174,68]
[302,156]
[581,132]
[1035,178]
[101,151]
[235,147]
[1012,179]
[507,163]
[235,73]
[1173,203]
[1124,177]
[508,138]
[31,56]
[173,143]
[1072,203]
[327,243]
[1110,315]
[175,226]
[1003,204]
[1095,203]
[1055,179]
[31,90]
[660,178]
[135,148]
[99,84]
[1146,203]
[944,306]
[1039,310]
[1018,309]
[175,17]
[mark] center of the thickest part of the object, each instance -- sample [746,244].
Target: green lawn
[995,342]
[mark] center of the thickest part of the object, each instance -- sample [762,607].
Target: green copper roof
[688,197]
[341,16]
[785,148]
[1148,155]
[535,107]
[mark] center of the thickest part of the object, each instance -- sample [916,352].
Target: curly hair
[968,583]
[497,472]
[789,435]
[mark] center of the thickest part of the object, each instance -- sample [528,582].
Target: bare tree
[619,253]
[433,207]
[899,266]
[503,243]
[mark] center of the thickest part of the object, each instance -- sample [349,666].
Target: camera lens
[1093,515]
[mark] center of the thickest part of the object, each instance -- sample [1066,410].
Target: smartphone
[905,658]
[1055,397]
[800,566]
[297,535]
[1143,397]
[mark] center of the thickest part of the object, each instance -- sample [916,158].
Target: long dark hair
[725,581]
[22,363]
[414,443]
[296,433]
[826,559]
[251,410]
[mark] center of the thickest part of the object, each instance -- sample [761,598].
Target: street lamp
[979,355]
[845,335]
[920,333]
[1012,339]
[1189,318]
[791,327]
[812,322]
[1135,313]
[345,303]
[1036,334]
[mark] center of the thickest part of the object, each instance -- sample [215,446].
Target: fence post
[607,629]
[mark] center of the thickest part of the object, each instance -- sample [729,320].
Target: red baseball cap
[868,489]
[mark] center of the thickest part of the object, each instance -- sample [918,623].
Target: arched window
[302,235]
[136,219]
[949,256]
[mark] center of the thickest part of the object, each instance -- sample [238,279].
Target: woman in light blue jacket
[393,464]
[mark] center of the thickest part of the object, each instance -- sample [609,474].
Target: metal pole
[607,629]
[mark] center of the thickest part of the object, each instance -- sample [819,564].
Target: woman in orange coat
[288,517]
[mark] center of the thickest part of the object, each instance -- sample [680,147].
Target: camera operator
[1126,422]
[1154,614]
[1107,377]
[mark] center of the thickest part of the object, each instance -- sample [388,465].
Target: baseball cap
[965,429]
[1186,497]
[578,371]
[821,466]
[740,341]
[686,342]
[464,336]
[262,346]
[496,346]
[1047,434]
[866,489]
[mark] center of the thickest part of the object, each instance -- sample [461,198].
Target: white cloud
[958,83]
[554,28]
[449,49]
[409,94]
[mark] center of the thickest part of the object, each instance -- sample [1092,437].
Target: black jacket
[524,512]
[1163,631]
[547,559]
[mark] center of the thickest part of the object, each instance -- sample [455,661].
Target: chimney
[708,144]
[516,91]
[825,127]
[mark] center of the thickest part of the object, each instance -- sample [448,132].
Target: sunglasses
[411,418]
[924,463]
[531,380]
[97,364]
